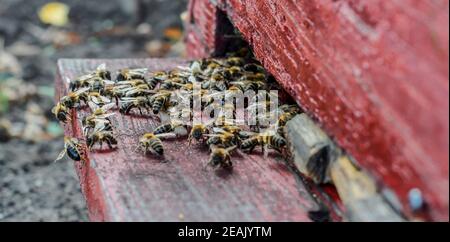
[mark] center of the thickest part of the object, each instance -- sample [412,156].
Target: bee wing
[109,82]
[101,67]
[128,99]
[86,77]
[212,135]
[181,131]
[61,155]
[105,99]
[80,91]
[139,71]
[108,106]
[166,135]
[183,68]
[93,106]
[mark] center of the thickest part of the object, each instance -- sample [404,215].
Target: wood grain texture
[124,185]
[373,73]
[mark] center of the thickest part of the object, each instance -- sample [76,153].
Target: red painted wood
[373,73]
[125,185]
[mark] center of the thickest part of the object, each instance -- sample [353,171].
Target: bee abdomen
[73,153]
[277,141]
[165,128]
[157,146]
[249,144]
[157,105]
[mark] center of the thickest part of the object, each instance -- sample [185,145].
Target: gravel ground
[32,187]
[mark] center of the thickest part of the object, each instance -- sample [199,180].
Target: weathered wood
[311,149]
[125,185]
[373,73]
[360,194]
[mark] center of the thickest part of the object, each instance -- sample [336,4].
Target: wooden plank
[373,73]
[124,185]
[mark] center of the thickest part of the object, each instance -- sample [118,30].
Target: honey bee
[112,92]
[255,68]
[136,91]
[98,120]
[130,74]
[160,101]
[199,131]
[127,104]
[253,77]
[98,99]
[156,78]
[100,136]
[234,72]
[284,118]
[220,157]
[268,139]
[74,98]
[72,148]
[152,142]
[234,61]
[61,113]
[290,108]
[249,85]
[87,80]
[222,139]
[175,127]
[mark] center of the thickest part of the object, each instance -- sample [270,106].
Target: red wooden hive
[373,73]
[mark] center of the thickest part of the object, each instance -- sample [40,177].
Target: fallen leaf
[54,13]
[173,33]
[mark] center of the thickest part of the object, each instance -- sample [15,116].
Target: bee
[113,92]
[268,139]
[72,148]
[176,127]
[290,108]
[130,74]
[100,136]
[253,77]
[61,113]
[152,142]
[127,104]
[199,131]
[74,98]
[284,118]
[233,72]
[98,99]
[249,85]
[98,120]
[221,138]
[102,72]
[255,68]
[87,80]
[234,61]
[156,78]
[220,157]
[136,91]
[160,101]
[173,83]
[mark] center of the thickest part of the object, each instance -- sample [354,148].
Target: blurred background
[33,35]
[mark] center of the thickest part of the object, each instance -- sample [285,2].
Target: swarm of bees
[134,91]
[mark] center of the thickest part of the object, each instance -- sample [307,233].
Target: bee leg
[265,151]
[108,142]
[140,111]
